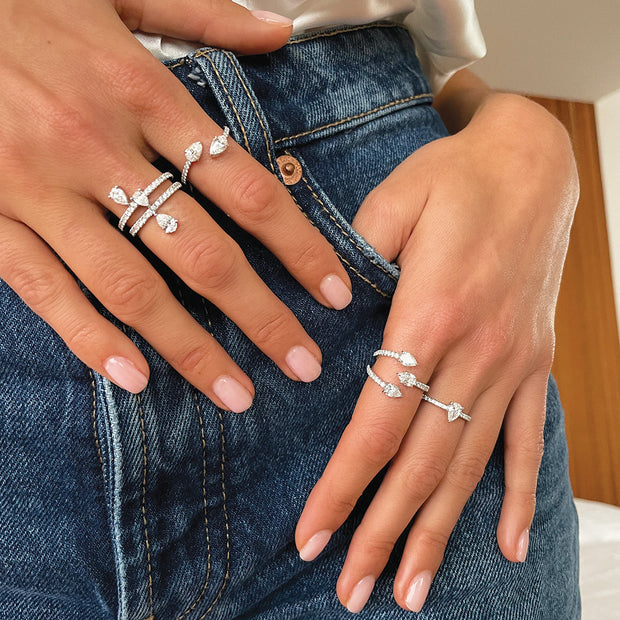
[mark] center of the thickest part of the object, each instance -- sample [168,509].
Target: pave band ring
[166,222]
[405,358]
[192,154]
[140,198]
[410,380]
[389,389]
[455,410]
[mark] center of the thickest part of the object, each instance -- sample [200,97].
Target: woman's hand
[479,224]
[86,107]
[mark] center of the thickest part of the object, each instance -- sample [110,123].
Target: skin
[481,253]
[91,108]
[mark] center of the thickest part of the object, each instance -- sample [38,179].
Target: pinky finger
[523,449]
[32,270]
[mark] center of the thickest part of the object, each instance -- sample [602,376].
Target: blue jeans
[163,506]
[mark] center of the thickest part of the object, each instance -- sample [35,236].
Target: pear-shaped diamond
[166,222]
[391,390]
[140,198]
[193,152]
[219,143]
[406,378]
[406,359]
[118,196]
[454,411]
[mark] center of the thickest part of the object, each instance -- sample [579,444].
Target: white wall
[608,126]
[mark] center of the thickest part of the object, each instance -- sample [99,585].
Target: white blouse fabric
[446,32]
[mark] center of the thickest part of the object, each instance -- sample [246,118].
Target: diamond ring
[166,222]
[140,198]
[455,410]
[389,389]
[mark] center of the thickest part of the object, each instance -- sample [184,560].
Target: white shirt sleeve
[447,36]
[446,32]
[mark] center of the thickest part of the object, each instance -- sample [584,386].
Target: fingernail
[315,545]
[125,374]
[335,291]
[360,595]
[232,394]
[303,364]
[522,545]
[272,18]
[418,591]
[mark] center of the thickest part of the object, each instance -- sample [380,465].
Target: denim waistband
[321,82]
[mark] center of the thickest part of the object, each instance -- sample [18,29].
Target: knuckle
[378,441]
[81,337]
[131,295]
[136,83]
[270,328]
[529,446]
[420,479]
[210,262]
[254,200]
[38,287]
[339,503]
[190,362]
[432,539]
[309,258]
[377,548]
[467,473]
[446,323]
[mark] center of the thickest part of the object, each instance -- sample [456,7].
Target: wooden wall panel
[587,362]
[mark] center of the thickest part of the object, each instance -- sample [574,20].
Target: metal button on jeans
[290,169]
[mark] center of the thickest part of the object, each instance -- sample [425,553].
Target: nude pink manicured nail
[303,364]
[315,545]
[272,18]
[125,374]
[522,545]
[232,394]
[335,291]
[360,595]
[418,591]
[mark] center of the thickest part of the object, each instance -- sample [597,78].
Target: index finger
[248,192]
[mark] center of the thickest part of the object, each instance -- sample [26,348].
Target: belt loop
[243,112]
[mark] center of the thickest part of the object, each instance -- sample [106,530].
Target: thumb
[221,23]
[390,212]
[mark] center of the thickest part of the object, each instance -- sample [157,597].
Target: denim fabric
[162,506]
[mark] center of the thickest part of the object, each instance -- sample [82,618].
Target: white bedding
[599,542]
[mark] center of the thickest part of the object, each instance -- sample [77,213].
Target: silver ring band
[152,210]
[192,154]
[389,389]
[140,198]
[410,380]
[404,357]
[455,410]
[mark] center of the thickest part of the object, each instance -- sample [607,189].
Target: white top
[446,32]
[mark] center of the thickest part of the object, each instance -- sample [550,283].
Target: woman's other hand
[85,107]
[479,224]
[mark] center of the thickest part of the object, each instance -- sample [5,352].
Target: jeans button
[290,169]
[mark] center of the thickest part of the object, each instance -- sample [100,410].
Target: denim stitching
[260,120]
[204,494]
[223,479]
[342,258]
[97,443]
[342,230]
[331,33]
[204,501]
[144,519]
[219,77]
[354,117]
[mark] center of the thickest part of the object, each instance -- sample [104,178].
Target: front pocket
[358,255]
